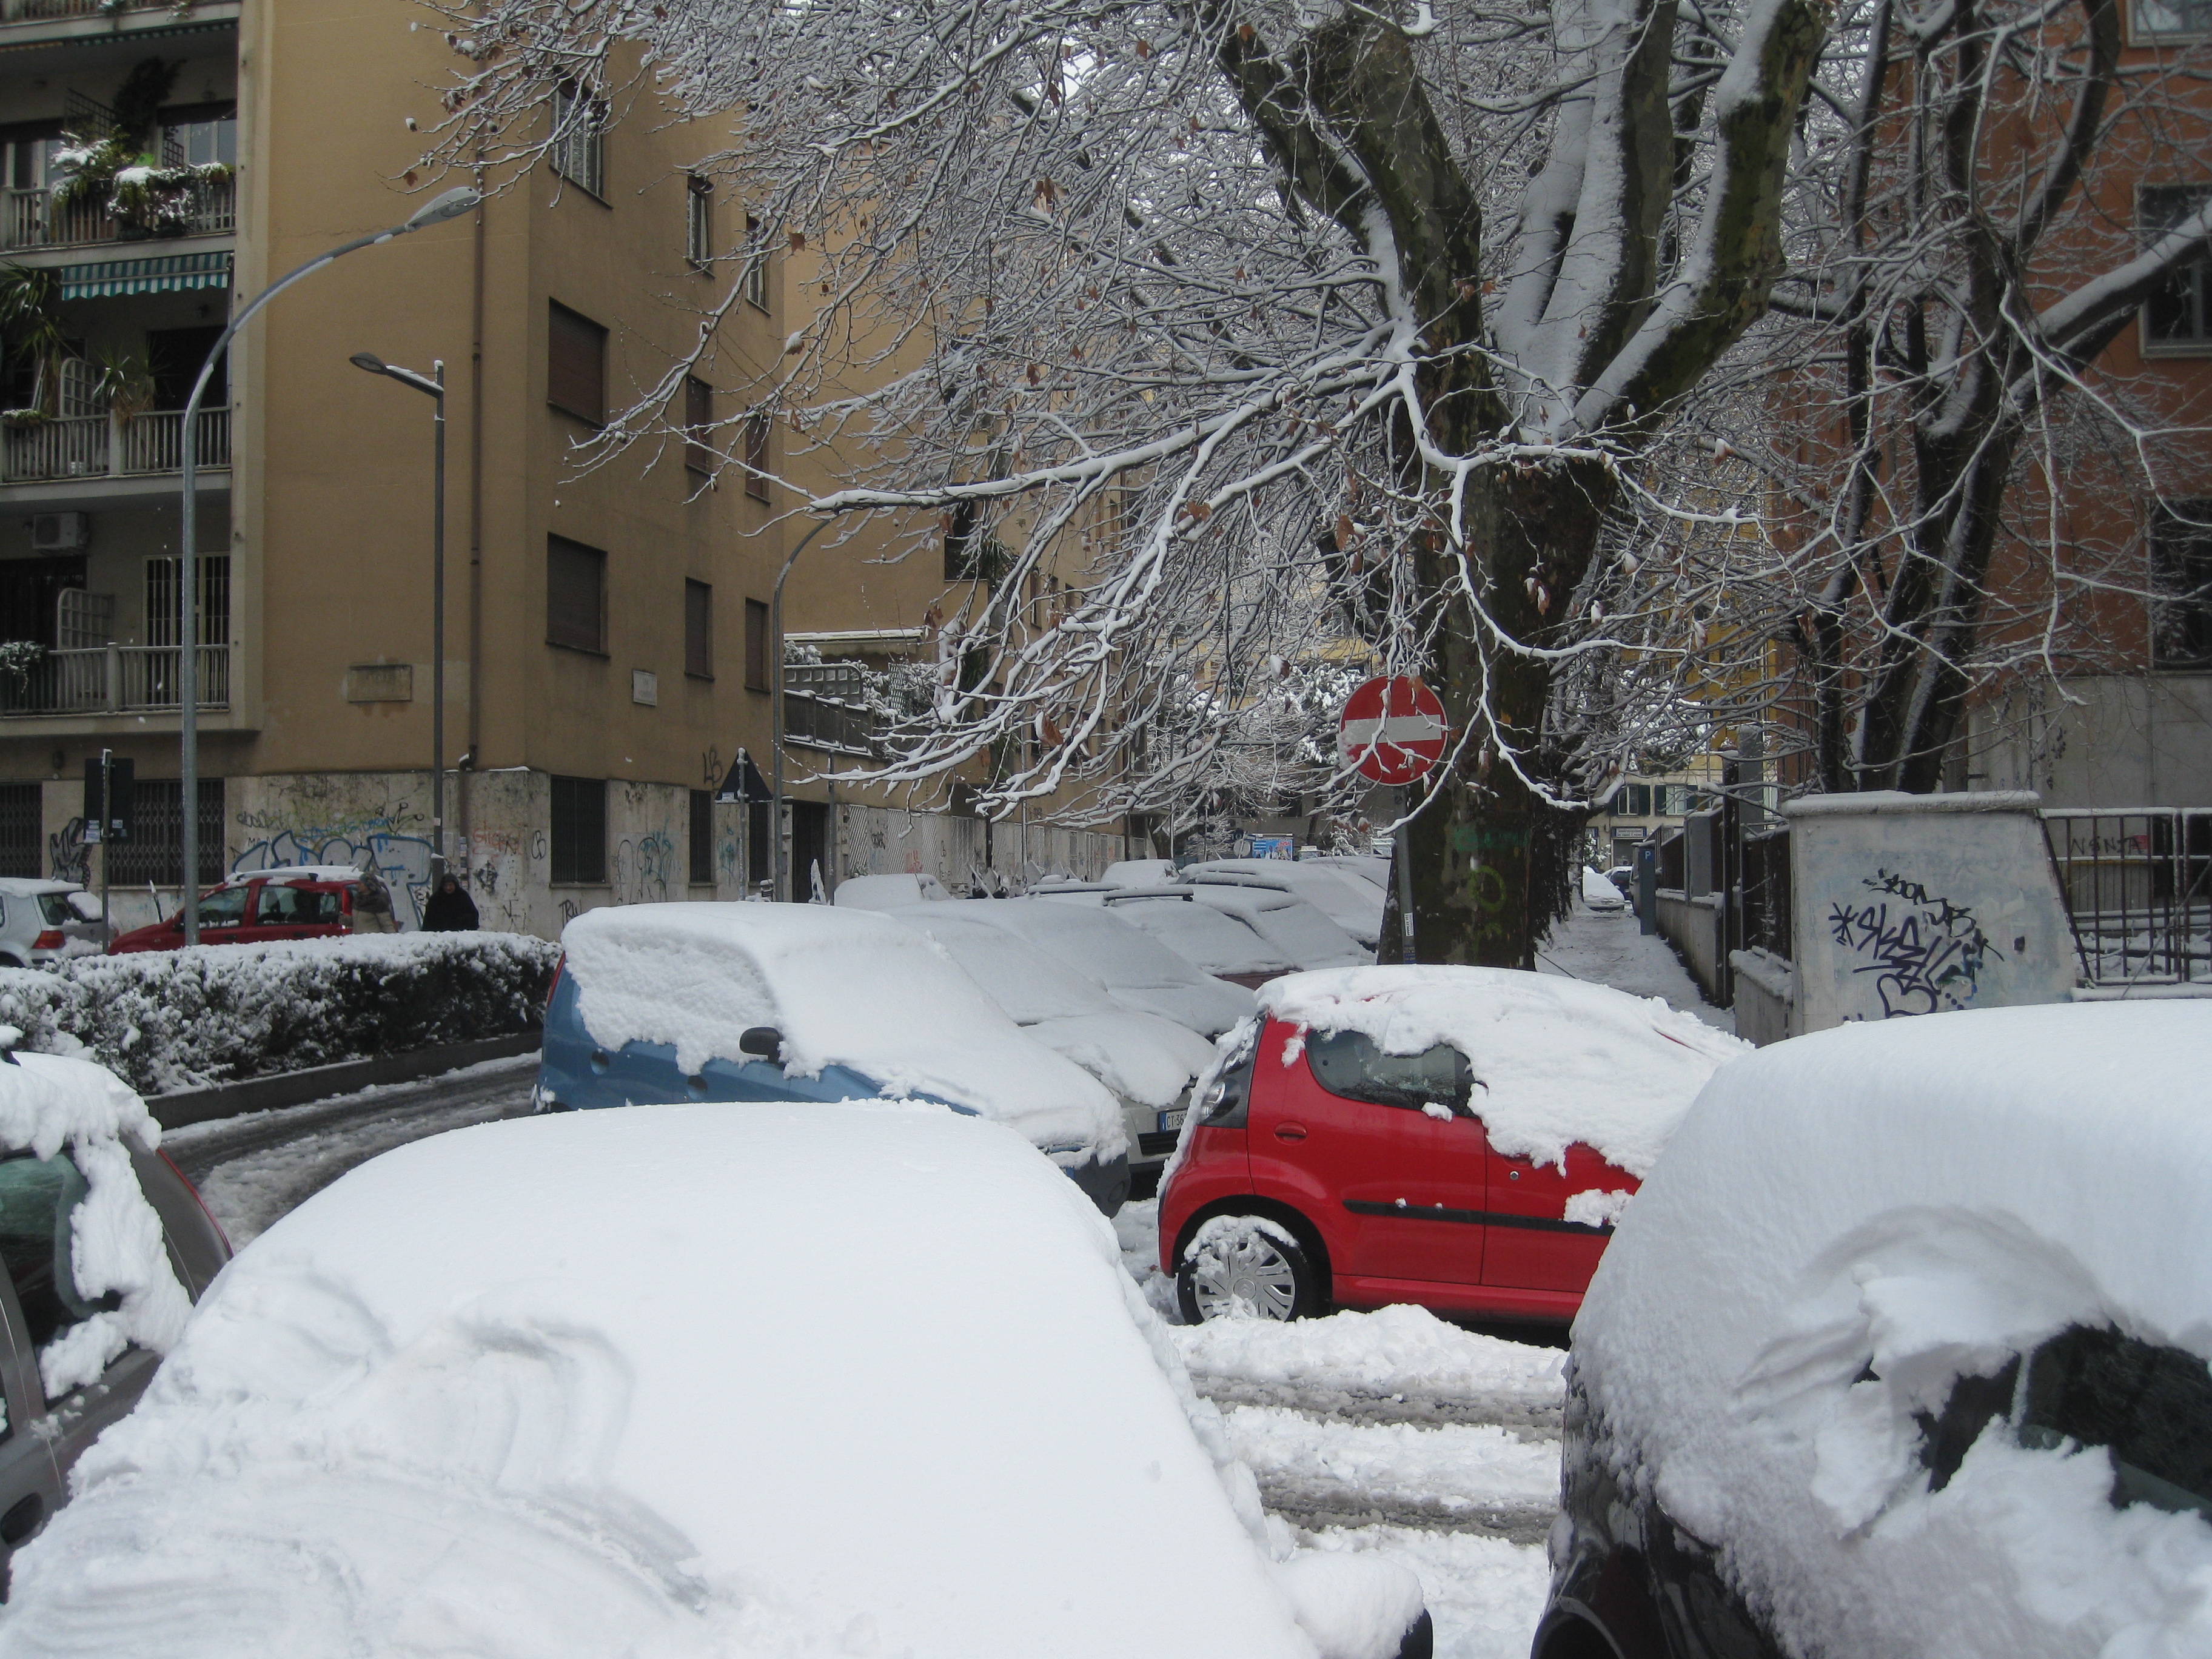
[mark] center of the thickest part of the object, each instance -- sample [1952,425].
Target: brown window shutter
[698,424]
[575,594]
[576,364]
[756,458]
[698,629]
[756,645]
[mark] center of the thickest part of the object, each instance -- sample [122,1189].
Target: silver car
[43,922]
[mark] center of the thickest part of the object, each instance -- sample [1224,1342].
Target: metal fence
[824,707]
[2139,890]
[113,679]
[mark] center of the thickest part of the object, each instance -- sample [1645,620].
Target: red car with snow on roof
[1460,1138]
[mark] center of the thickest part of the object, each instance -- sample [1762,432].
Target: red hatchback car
[256,909]
[1322,1170]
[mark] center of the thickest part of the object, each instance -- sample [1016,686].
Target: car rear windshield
[1349,1065]
[54,907]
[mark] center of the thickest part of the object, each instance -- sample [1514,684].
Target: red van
[1325,1172]
[256,909]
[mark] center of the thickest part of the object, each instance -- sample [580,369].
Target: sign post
[1392,730]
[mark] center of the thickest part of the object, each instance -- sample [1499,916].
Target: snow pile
[1461,1468]
[164,1020]
[1485,1593]
[1846,1225]
[499,1393]
[844,988]
[1556,1061]
[1599,893]
[1398,1350]
[49,1105]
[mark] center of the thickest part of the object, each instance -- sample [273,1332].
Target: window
[22,831]
[756,646]
[2179,313]
[960,543]
[702,838]
[2181,578]
[576,364]
[756,458]
[200,134]
[225,907]
[575,595]
[698,629]
[579,837]
[37,1241]
[174,357]
[1349,1065]
[578,152]
[755,264]
[1632,800]
[699,222]
[2158,17]
[155,852]
[698,426]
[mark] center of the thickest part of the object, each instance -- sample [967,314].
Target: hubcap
[1243,1276]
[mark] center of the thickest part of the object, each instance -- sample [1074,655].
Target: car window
[297,907]
[1348,1065]
[2148,1405]
[225,907]
[38,1196]
[54,907]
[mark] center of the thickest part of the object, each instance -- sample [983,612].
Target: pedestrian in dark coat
[449,909]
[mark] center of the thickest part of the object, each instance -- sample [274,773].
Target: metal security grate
[22,831]
[2138,888]
[155,852]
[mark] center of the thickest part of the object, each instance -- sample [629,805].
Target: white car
[1148,1062]
[1136,969]
[1354,905]
[43,922]
[1215,941]
[785,1380]
[1297,929]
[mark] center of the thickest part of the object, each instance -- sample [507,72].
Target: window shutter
[575,595]
[576,364]
[698,424]
[699,629]
[756,646]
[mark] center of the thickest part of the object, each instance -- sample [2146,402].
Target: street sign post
[1392,730]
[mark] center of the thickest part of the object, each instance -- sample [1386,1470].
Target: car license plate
[1171,1122]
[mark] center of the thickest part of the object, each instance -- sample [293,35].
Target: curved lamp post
[432,384]
[437,210]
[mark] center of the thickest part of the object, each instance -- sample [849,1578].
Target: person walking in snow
[372,906]
[449,909]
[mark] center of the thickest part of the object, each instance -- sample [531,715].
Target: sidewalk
[1605,947]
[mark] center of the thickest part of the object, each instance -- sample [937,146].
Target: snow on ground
[1459,1472]
[1484,1593]
[1612,950]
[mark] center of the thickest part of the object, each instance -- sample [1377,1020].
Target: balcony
[825,706]
[46,11]
[113,679]
[31,219]
[107,446]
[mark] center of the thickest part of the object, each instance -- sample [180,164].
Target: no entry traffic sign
[1392,730]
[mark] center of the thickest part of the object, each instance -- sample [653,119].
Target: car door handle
[1290,1132]
[21,1520]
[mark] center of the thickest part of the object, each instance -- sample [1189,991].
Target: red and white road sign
[1392,730]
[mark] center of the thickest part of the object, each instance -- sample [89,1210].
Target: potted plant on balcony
[117,171]
[17,659]
[31,336]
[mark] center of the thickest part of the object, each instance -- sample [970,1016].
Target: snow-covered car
[1903,1348]
[105,1248]
[687,1382]
[1136,969]
[1459,1138]
[1139,872]
[888,892]
[1354,905]
[41,922]
[1623,875]
[1297,929]
[1147,1061]
[1212,941]
[1599,894]
[659,1003]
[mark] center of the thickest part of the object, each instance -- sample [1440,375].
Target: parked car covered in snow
[1903,1349]
[41,922]
[1459,1138]
[105,1247]
[888,892]
[1223,943]
[1353,904]
[659,1003]
[1296,928]
[688,1381]
[258,907]
[1137,971]
[1148,1062]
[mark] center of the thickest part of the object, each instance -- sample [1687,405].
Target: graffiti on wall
[67,856]
[373,824]
[498,862]
[1926,953]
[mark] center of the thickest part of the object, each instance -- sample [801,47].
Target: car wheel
[1246,1266]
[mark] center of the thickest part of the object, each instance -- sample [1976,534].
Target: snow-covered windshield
[1139,970]
[1028,985]
[1207,937]
[1293,926]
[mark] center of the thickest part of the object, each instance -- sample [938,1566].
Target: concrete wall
[1691,926]
[957,851]
[1765,995]
[2141,740]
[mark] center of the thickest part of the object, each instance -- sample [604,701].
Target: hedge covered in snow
[181,1019]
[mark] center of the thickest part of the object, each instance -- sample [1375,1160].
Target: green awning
[112,278]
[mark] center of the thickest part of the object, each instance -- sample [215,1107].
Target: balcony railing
[114,679]
[107,446]
[823,708]
[33,219]
[42,11]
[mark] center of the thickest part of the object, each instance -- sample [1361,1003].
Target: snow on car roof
[1557,1060]
[31,887]
[1845,1225]
[1023,981]
[845,987]
[1219,941]
[296,873]
[1294,926]
[887,892]
[500,1391]
[1138,969]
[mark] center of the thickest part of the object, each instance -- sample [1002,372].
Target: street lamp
[435,211]
[432,384]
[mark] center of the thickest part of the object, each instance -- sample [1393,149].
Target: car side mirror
[764,1041]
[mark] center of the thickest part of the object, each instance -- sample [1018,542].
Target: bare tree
[1374,303]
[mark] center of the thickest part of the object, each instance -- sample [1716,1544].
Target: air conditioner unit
[60,532]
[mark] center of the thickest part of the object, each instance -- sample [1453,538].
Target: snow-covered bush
[179,1019]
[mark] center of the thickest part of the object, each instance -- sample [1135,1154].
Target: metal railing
[113,679]
[107,446]
[823,708]
[2138,890]
[33,219]
[41,11]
